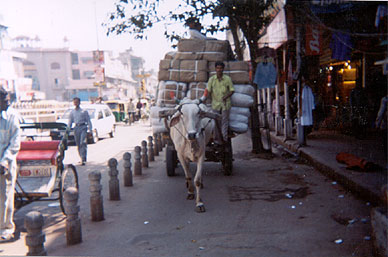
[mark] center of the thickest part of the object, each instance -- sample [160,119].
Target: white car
[102,119]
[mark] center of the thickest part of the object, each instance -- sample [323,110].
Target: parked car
[102,118]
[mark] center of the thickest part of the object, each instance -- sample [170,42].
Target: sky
[78,20]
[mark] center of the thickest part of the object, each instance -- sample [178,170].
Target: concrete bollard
[156,148]
[151,157]
[73,222]
[114,185]
[128,180]
[96,199]
[137,169]
[35,238]
[160,145]
[144,154]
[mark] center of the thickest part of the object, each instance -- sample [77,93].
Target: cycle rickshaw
[42,176]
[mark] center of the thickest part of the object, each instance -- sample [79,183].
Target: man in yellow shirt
[220,87]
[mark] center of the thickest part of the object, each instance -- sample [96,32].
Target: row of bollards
[142,157]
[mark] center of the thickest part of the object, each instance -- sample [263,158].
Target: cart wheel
[69,179]
[227,162]
[171,160]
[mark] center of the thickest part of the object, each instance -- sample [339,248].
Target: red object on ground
[353,161]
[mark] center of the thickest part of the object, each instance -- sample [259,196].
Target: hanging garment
[265,75]
[308,105]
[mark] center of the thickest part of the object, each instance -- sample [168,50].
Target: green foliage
[136,17]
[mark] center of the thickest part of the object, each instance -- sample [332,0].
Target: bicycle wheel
[69,178]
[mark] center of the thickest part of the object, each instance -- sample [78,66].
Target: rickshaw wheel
[227,162]
[69,179]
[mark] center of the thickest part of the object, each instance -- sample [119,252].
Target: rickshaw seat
[38,150]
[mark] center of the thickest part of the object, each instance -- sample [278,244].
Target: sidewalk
[321,150]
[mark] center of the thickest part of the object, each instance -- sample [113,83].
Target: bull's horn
[211,115]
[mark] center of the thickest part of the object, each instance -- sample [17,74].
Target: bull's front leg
[186,168]
[200,207]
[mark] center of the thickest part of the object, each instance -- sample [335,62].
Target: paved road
[269,207]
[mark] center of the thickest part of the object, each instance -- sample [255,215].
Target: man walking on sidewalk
[82,121]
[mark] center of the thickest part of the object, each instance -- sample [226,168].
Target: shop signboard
[313,40]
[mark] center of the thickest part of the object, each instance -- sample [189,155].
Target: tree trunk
[257,145]
[237,43]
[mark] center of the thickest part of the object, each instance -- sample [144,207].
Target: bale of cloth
[238,71]
[197,45]
[196,90]
[169,92]
[183,70]
[209,56]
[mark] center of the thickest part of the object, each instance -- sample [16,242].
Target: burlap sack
[209,56]
[170,55]
[196,90]
[169,91]
[183,76]
[241,100]
[188,65]
[238,77]
[231,66]
[196,45]
[244,89]
[183,70]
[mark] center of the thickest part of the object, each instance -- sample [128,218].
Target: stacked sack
[185,74]
[183,70]
[167,94]
[242,99]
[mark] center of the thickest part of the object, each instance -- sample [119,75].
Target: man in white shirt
[195,29]
[9,148]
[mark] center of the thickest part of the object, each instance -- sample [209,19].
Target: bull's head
[190,113]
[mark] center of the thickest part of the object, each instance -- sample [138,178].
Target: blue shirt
[80,116]
[265,75]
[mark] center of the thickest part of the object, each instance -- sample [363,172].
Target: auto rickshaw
[119,109]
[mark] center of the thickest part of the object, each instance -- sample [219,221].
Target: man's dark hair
[191,20]
[77,98]
[219,63]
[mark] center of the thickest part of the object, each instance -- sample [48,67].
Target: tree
[247,15]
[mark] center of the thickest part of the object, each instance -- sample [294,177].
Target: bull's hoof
[190,196]
[200,208]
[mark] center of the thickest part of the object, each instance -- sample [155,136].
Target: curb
[354,187]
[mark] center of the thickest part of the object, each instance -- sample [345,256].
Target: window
[86,60]
[100,116]
[107,113]
[89,74]
[55,66]
[74,58]
[76,74]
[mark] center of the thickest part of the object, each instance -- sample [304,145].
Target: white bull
[190,131]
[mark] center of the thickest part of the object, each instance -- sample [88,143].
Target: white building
[11,68]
